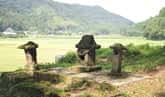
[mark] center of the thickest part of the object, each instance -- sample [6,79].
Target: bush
[54,65]
[148,58]
[103,52]
[70,57]
[68,60]
[132,51]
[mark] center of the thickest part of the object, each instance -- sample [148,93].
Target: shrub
[104,52]
[132,51]
[68,60]
[70,57]
[148,58]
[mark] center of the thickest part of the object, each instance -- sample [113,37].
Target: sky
[135,10]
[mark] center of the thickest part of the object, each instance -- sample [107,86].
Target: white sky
[135,10]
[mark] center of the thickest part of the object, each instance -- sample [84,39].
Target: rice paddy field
[12,58]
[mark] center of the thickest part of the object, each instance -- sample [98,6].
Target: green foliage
[70,58]
[154,28]
[48,16]
[86,95]
[135,59]
[15,77]
[141,57]
[146,58]
[104,66]
[10,86]
[133,30]
[162,12]
[104,52]
[33,89]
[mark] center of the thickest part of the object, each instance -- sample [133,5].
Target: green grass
[12,58]
[142,57]
[147,58]
[21,84]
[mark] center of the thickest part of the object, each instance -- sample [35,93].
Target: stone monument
[86,50]
[30,49]
[118,50]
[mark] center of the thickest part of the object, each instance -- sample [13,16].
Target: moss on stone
[28,45]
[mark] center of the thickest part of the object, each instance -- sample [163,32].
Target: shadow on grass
[160,94]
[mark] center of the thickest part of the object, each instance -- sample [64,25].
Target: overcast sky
[135,10]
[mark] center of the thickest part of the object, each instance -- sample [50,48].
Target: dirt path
[154,86]
[134,84]
[103,76]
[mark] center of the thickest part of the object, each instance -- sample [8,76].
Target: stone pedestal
[81,68]
[30,49]
[117,58]
[87,61]
[86,50]
[116,64]
[89,68]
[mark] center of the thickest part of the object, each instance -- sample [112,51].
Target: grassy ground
[151,87]
[13,58]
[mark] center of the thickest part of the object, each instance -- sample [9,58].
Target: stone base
[47,76]
[87,68]
[115,74]
[120,75]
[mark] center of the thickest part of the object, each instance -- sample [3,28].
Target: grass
[148,58]
[20,84]
[137,58]
[13,58]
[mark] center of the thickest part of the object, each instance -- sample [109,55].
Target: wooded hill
[154,28]
[47,16]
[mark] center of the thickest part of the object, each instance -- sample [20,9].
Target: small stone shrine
[30,49]
[86,50]
[118,50]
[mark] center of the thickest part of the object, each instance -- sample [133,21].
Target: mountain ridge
[51,16]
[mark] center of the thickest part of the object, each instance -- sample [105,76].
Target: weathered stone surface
[118,50]
[15,77]
[48,76]
[30,54]
[86,50]
[89,68]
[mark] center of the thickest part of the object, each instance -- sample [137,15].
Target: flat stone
[48,76]
[88,68]
[102,76]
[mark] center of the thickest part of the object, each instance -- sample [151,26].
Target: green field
[12,58]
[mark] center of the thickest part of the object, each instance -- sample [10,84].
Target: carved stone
[86,50]
[30,54]
[118,50]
